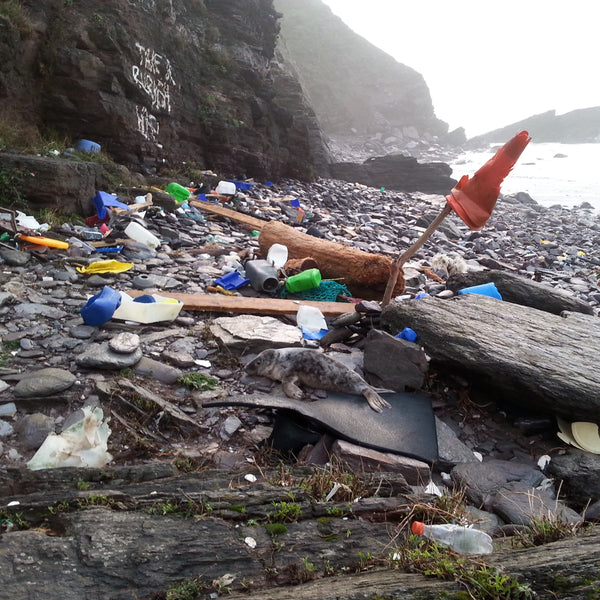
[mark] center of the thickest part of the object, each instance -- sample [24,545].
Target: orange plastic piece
[43,241]
[418,528]
[473,200]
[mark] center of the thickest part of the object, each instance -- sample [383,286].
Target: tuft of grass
[14,12]
[544,530]
[285,512]
[11,188]
[197,381]
[188,589]
[190,509]
[481,581]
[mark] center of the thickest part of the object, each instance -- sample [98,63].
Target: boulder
[397,172]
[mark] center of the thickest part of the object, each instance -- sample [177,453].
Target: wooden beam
[258,306]
[221,211]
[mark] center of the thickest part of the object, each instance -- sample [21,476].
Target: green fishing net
[328,291]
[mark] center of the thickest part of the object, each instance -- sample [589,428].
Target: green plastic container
[307,280]
[178,192]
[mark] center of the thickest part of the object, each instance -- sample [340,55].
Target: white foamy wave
[566,174]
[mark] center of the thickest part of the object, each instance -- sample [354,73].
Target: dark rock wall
[161,84]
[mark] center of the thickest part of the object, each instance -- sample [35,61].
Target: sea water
[565,174]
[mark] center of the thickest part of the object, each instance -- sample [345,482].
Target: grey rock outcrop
[507,346]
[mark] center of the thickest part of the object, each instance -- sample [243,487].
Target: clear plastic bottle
[463,540]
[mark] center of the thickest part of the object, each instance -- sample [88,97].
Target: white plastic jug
[227,188]
[140,234]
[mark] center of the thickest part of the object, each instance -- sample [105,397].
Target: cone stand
[397,264]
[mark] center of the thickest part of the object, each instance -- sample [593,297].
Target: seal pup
[314,369]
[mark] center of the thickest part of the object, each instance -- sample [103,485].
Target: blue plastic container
[241,185]
[232,281]
[88,146]
[101,307]
[485,289]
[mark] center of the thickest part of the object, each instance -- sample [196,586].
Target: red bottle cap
[418,528]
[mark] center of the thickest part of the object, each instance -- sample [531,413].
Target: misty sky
[488,64]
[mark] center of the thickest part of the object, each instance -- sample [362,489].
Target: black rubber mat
[407,428]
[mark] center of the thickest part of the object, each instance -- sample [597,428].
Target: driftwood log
[538,360]
[520,290]
[365,274]
[138,531]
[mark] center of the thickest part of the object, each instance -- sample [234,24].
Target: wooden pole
[397,264]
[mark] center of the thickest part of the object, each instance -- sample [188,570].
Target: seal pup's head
[262,364]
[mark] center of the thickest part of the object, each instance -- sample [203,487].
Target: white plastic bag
[83,444]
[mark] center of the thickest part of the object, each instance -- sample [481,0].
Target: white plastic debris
[478,456]
[83,444]
[250,541]
[433,489]
[277,255]
[334,489]
[250,477]
[543,461]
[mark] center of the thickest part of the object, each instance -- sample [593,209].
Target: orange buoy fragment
[44,241]
[473,200]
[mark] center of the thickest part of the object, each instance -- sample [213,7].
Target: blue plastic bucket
[485,289]
[88,146]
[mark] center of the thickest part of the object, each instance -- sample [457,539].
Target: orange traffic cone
[473,200]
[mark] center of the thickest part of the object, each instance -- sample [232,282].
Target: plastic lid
[418,528]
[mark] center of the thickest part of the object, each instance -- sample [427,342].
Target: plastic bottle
[306,280]
[140,234]
[463,540]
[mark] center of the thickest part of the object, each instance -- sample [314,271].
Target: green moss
[197,381]
[274,529]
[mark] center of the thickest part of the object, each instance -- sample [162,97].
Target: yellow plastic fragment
[581,253]
[106,266]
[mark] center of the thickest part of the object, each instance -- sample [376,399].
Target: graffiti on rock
[154,75]
[148,124]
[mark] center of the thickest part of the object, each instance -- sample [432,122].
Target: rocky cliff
[158,84]
[576,127]
[358,92]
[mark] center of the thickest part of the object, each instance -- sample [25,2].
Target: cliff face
[355,88]
[160,84]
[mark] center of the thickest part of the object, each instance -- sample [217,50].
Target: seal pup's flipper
[291,389]
[376,402]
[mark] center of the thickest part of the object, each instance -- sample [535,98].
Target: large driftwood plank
[255,306]
[535,358]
